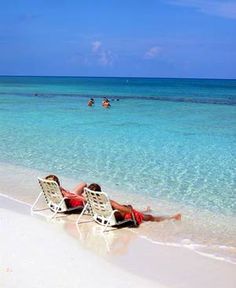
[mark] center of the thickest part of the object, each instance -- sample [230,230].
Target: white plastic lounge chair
[101,210]
[54,198]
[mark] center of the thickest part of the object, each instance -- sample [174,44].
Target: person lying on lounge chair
[128,212]
[76,198]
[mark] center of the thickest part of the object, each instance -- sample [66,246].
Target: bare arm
[121,208]
[71,195]
[79,189]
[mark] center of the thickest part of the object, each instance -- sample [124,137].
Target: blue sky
[151,38]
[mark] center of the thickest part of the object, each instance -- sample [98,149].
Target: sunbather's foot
[177,217]
[147,210]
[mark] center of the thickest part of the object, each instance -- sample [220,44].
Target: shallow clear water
[181,149]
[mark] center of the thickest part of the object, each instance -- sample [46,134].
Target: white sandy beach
[37,253]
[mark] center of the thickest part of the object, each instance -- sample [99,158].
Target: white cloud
[104,57]
[225,9]
[96,45]
[152,52]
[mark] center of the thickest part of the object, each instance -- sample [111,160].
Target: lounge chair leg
[36,201]
[82,213]
[57,209]
[108,221]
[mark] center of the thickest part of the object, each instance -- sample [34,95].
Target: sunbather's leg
[123,209]
[152,218]
[79,189]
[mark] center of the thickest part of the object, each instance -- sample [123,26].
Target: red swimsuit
[137,215]
[73,201]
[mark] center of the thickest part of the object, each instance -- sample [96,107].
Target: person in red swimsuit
[128,212]
[75,197]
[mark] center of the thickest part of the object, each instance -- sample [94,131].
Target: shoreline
[121,250]
[18,206]
[127,250]
[215,240]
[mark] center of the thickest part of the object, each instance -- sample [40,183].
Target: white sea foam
[196,248]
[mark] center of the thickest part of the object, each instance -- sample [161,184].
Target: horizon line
[141,77]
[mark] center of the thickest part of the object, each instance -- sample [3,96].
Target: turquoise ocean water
[169,141]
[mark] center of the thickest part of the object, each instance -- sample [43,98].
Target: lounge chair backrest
[101,207]
[53,195]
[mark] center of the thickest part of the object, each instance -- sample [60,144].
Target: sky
[118,38]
